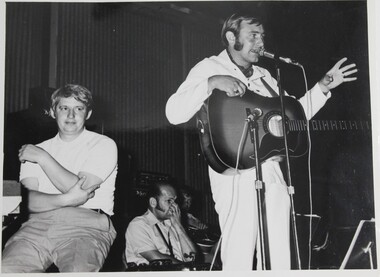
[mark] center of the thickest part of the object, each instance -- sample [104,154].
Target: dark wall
[27,50]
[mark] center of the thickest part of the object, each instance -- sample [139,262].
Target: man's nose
[71,113]
[260,41]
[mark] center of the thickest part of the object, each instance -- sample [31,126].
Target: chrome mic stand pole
[260,190]
[290,186]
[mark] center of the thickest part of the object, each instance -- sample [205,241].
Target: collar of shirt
[82,136]
[248,72]
[257,71]
[152,219]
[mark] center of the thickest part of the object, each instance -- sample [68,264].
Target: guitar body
[221,123]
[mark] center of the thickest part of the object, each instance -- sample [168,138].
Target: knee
[80,267]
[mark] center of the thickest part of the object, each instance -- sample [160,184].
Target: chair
[11,197]
[11,207]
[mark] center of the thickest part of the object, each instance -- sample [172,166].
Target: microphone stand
[260,190]
[290,186]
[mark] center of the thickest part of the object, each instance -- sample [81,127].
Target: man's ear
[51,113]
[152,202]
[89,114]
[230,37]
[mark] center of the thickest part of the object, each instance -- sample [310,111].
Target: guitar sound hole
[275,125]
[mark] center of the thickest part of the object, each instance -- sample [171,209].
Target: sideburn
[238,46]
[158,206]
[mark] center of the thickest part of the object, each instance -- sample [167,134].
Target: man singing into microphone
[233,72]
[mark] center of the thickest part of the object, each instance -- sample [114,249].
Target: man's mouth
[258,51]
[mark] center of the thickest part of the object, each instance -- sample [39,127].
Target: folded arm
[61,178]
[42,202]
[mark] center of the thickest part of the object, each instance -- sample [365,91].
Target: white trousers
[236,205]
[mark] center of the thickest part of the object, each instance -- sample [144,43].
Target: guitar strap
[269,88]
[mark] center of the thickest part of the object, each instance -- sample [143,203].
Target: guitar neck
[328,125]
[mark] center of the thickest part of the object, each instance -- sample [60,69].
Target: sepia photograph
[167,136]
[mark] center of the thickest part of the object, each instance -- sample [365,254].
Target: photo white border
[373,8]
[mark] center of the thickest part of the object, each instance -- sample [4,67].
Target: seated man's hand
[202,226]
[76,195]
[175,212]
[31,153]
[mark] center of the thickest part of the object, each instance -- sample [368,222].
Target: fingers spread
[347,73]
[347,67]
[340,62]
[350,79]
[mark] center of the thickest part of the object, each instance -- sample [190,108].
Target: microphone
[256,113]
[262,52]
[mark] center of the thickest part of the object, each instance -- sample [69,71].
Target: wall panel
[24,52]
[198,46]
[129,62]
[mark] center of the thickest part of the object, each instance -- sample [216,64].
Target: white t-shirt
[89,152]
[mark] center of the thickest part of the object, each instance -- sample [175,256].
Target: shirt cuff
[317,89]
[204,86]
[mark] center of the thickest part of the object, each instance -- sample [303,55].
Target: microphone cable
[310,112]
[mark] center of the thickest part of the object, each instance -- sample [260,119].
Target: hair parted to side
[79,92]
[233,24]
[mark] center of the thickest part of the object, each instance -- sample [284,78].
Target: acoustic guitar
[221,126]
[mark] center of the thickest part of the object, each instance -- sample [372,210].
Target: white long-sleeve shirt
[190,96]
[192,93]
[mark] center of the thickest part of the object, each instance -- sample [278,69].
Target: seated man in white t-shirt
[158,234]
[71,181]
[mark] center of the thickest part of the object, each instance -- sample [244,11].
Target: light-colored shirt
[142,235]
[89,152]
